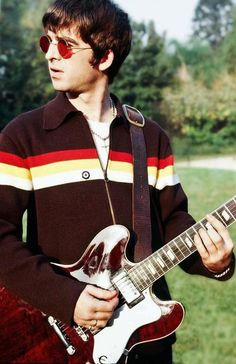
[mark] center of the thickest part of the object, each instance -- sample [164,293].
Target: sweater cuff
[227,272]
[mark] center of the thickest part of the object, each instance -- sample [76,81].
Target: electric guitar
[140,316]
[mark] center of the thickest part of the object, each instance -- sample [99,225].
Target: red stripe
[74,154]
[12,160]
[160,163]
[121,157]
[64,155]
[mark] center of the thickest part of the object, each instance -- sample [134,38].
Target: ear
[106,60]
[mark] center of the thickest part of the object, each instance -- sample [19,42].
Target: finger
[206,238]
[93,324]
[200,247]
[105,306]
[221,230]
[100,293]
[103,315]
[215,237]
[99,324]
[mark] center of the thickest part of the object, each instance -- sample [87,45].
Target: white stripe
[78,176]
[66,177]
[118,176]
[21,183]
[167,181]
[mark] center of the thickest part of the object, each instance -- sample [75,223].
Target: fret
[234,206]
[156,265]
[233,210]
[151,268]
[218,216]
[225,216]
[229,212]
[177,250]
[165,259]
[137,278]
[171,255]
[187,241]
[182,245]
[143,274]
[191,233]
[195,229]
[160,262]
[204,224]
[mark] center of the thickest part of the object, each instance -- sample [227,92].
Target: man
[69,164]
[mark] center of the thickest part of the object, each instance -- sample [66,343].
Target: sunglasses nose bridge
[52,51]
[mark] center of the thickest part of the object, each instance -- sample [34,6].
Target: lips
[55,72]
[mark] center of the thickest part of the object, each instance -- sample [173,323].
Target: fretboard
[145,273]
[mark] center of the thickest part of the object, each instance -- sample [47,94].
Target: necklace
[114,113]
[99,136]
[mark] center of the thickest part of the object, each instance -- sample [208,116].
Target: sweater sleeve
[29,276]
[175,219]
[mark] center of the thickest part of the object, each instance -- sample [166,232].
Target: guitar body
[26,336]
[151,319]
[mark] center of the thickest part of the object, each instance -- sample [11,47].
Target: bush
[203,115]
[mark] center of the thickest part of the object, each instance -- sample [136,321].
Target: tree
[227,51]
[213,20]
[146,70]
[20,82]
[204,116]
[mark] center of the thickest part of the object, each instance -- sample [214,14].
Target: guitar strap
[140,193]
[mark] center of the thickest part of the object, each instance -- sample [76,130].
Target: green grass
[207,335]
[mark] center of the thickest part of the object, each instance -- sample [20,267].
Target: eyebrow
[69,40]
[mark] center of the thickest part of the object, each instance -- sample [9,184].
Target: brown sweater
[49,166]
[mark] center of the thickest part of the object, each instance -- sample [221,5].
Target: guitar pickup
[127,288]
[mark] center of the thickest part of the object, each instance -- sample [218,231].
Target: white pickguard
[109,344]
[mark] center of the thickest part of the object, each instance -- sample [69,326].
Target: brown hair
[100,23]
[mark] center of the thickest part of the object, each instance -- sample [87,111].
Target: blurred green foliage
[188,88]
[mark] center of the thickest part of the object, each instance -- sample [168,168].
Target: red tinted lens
[44,43]
[64,49]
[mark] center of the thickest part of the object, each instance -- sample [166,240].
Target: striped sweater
[49,166]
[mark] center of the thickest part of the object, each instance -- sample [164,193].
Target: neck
[94,106]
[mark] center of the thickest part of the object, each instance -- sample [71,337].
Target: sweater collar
[57,110]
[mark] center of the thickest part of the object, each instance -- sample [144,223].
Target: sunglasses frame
[61,41]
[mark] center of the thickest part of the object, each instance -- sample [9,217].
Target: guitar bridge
[129,291]
[62,335]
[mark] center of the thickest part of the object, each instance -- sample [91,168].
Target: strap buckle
[133,115]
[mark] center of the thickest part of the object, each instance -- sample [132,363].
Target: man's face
[73,74]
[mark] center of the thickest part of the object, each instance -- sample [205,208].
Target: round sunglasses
[64,48]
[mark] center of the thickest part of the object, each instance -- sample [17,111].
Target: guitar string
[177,255]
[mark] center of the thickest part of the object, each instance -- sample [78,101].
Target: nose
[52,52]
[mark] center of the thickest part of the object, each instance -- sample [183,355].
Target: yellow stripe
[60,167]
[15,171]
[165,172]
[152,171]
[58,173]
[120,167]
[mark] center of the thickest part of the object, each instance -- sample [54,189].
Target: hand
[214,246]
[95,307]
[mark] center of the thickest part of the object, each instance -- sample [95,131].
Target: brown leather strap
[141,197]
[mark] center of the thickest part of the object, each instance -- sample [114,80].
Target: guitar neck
[145,273]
